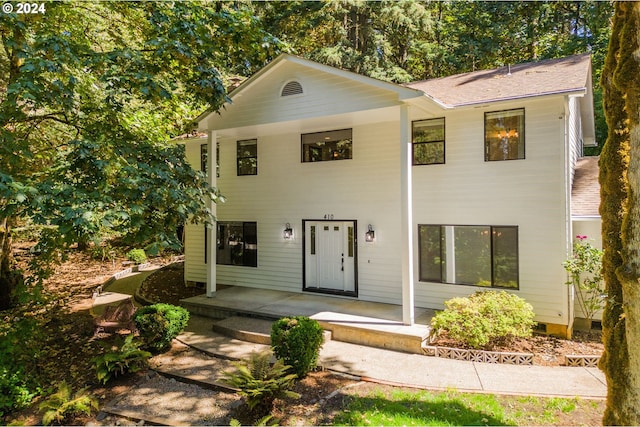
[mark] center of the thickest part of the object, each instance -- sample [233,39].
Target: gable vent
[291,88]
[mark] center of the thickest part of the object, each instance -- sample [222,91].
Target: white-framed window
[478,255]
[428,137]
[504,135]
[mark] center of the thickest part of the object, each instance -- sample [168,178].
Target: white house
[344,185]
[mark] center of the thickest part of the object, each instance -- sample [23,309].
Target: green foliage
[137,255]
[63,404]
[20,354]
[104,252]
[125,357]
[452,408]
[159,324]
[483,317]
[585,273]
[14,392]
[297,341]
[260,382]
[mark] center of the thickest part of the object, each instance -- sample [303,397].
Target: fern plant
[260,382]
[127,358]
[62,404]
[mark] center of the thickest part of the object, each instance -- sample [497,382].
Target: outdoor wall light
[370,235]
[288,232]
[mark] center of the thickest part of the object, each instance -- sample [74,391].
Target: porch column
[211,231]
[406,216]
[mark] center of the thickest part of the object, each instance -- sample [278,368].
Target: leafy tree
[92,94]
[619,210]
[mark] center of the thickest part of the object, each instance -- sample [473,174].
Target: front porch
[349,320]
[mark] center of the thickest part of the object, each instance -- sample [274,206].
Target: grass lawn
[451,408]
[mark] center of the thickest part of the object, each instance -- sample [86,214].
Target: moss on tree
[619,210]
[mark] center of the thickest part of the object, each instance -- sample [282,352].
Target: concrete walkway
[405,369]
[413,370]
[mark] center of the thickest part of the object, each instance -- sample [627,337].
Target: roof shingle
[516,81]
[585,191]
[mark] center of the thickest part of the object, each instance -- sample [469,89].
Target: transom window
[504,135]
[427,137]
[237,244]
[326,146]
[469,255]
[247,157]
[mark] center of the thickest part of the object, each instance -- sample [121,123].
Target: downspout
[406,214]
[211,230]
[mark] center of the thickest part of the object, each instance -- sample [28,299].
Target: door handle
[342,267]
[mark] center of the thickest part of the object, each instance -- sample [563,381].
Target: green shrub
[125,357]
[485,317]
[63,404]
[297,341]
[14,392]
[137,255]
[158,324]
[585,272]
[260,382]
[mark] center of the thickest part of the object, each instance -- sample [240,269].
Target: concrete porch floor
[349,320]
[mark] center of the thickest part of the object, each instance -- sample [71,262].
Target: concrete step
[248,329]
[374,332]
[361,330]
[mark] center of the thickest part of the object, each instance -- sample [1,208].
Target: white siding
[194,266]
[529,193]
[286,190]
[575,133]
[323,94]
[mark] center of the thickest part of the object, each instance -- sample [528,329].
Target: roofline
[404,93]
[579,92]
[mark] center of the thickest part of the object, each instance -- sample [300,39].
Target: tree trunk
[626,79]
[9,277]
[619,212]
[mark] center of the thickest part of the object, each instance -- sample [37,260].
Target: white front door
[330,253]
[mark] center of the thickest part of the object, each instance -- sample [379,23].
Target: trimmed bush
[158,324]
[485,317]
[297,341]
[137,255]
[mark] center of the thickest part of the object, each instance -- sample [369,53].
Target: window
[248,157]
[469,255]
[237,244]
[427,137]
[504,135]
[204,158]
[325,146]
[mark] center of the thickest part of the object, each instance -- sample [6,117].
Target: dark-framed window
[504,135]
[428,138]
[204,158]
[326,146]
[247,155]
[237,243]
[478,255]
